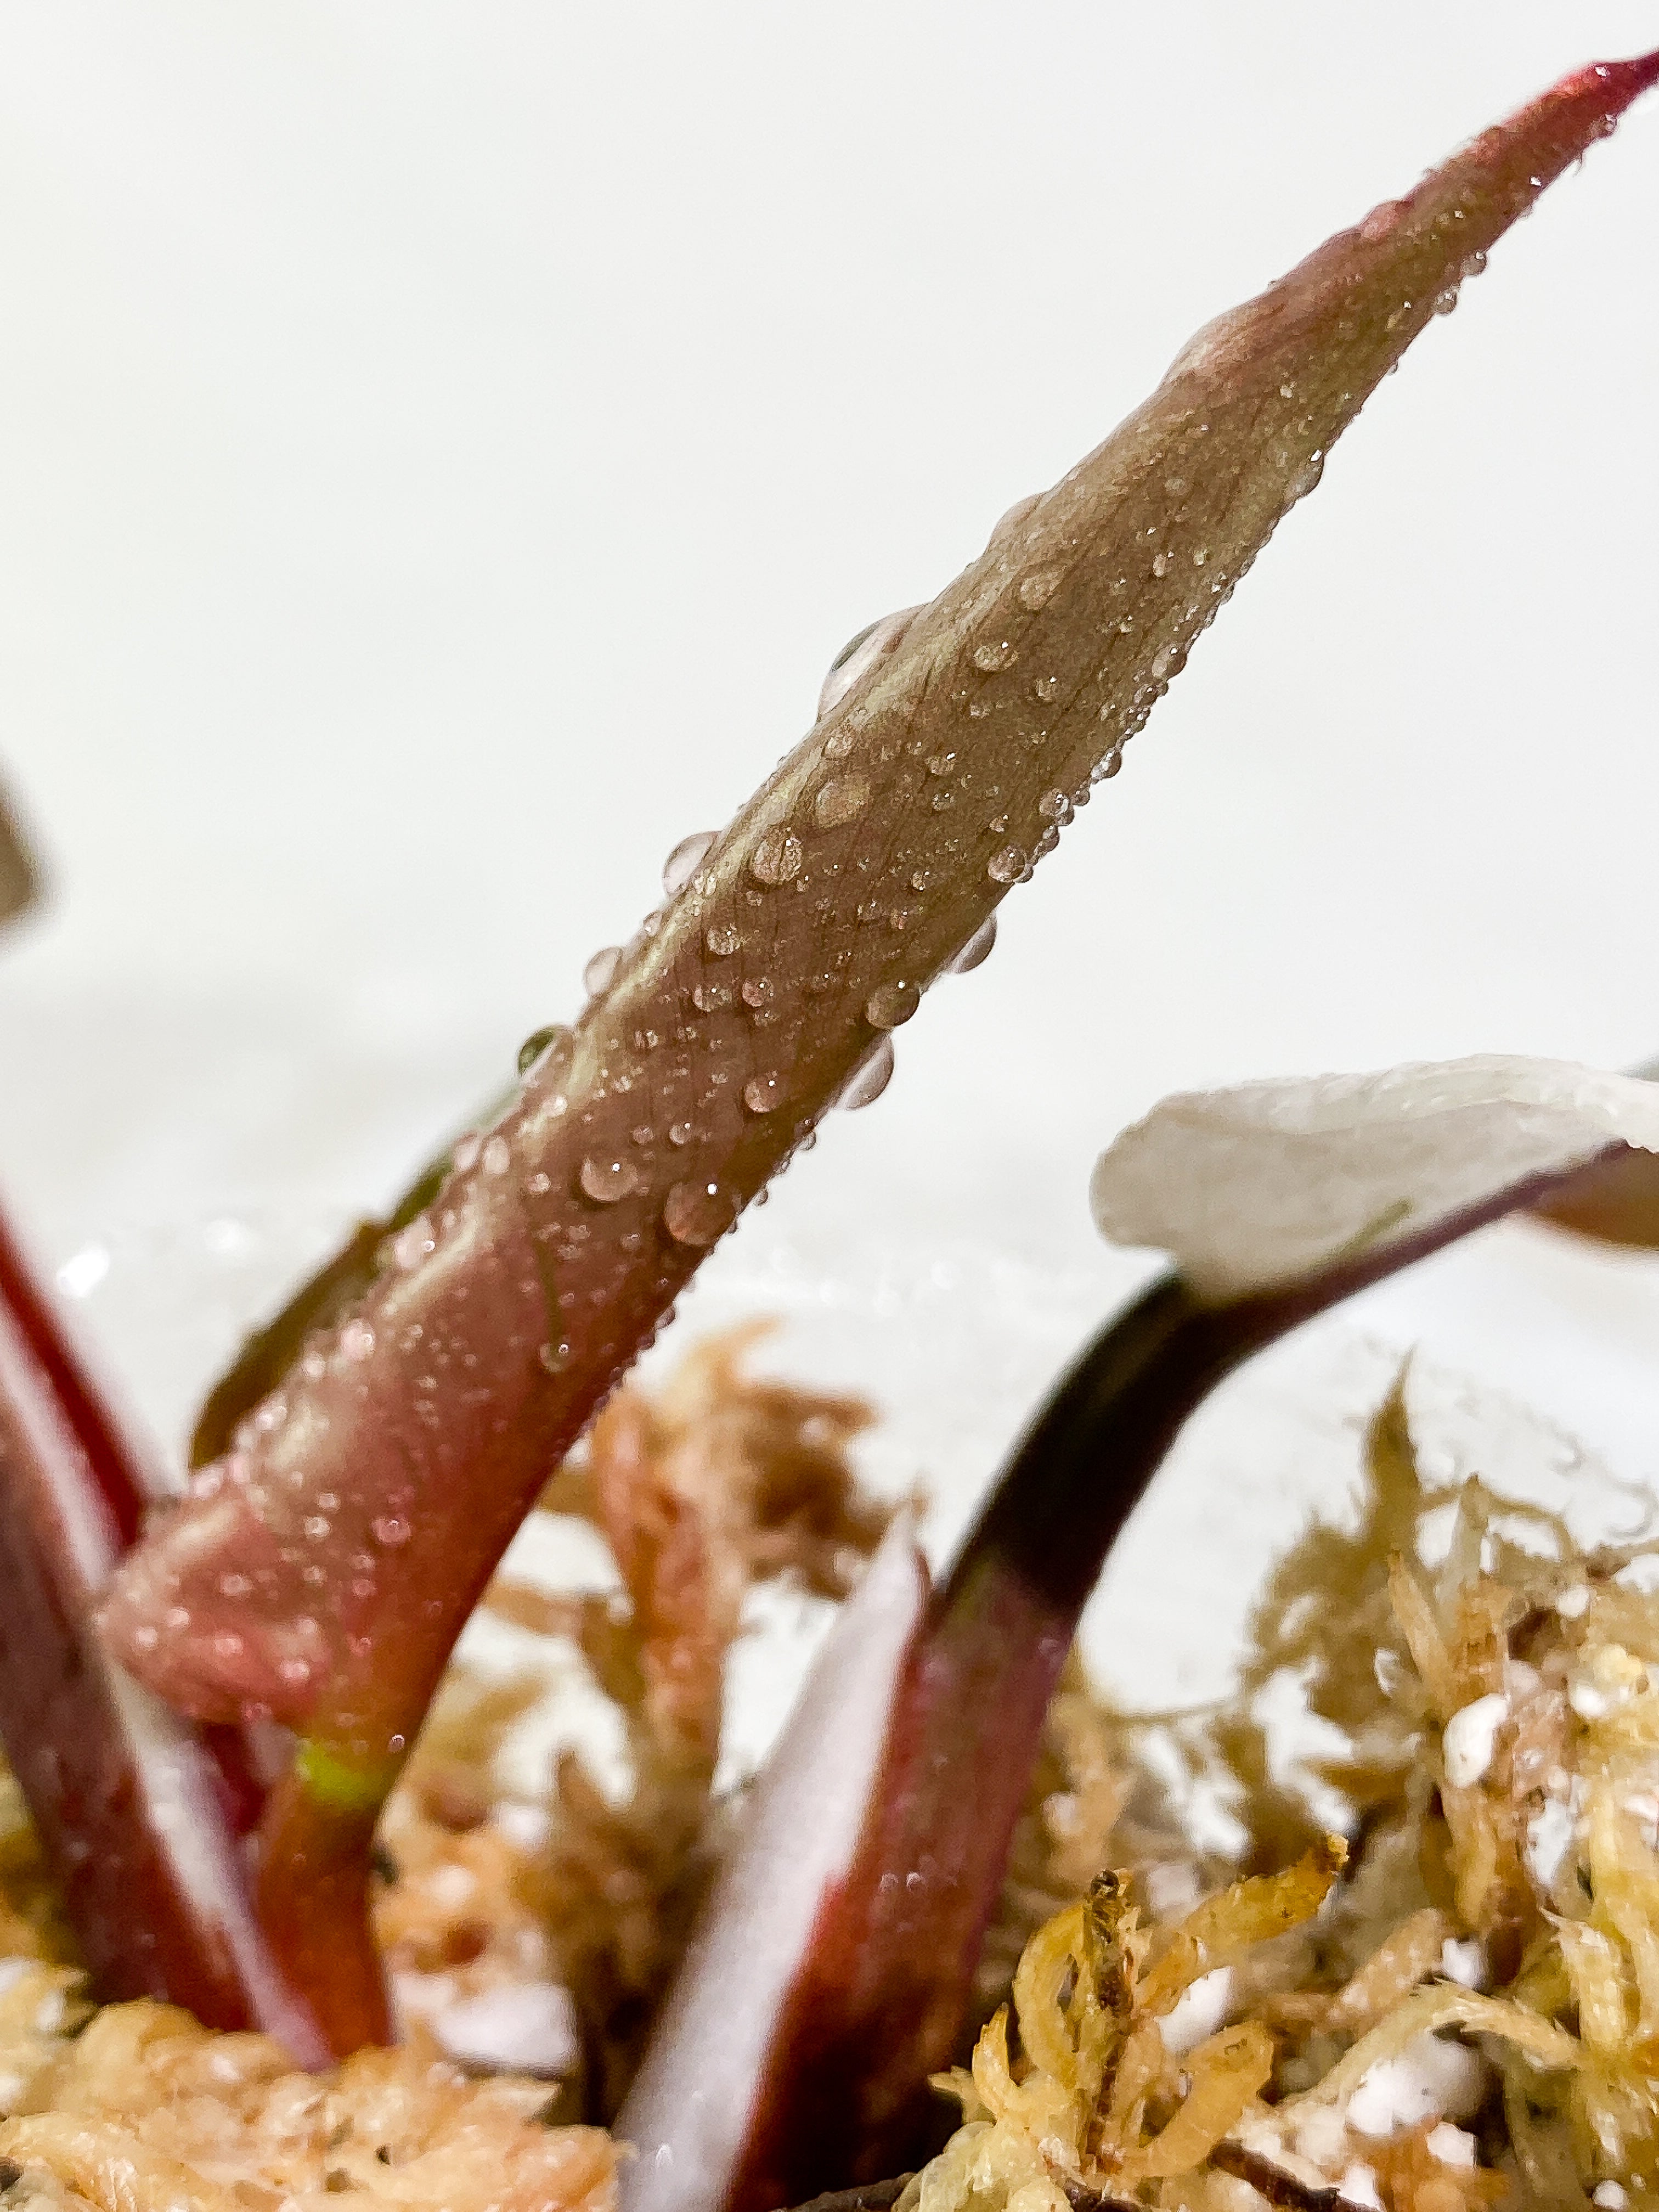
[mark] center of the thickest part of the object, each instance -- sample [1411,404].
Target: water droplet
[234,1585]
[601,969]
[1038,588]
[943,801]
[1015,514]
[391,1529]
[722,939]
[941,763]
[316,1527]
[757,991]
[869,1079]
[890,1003]
[1160,564]
[496,1156]
[1382,220]
[146,1638]
[1446,300]
[999,653]
[1108,765]
[680,1133]
[698,1213]
[605,1179]
[1006,865]
[852,646]
[841,800]
[556,1358]
[1305,479]
[860,655]
[538,1043]
[684,860]
[920,878]
[976,949]
[357,1340]
[1473,263]
[465,1153]
[776,859]
[1055,806]
[710,998]
[1047,687]
[762,1093]
[412,1243]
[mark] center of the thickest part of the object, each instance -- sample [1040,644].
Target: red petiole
[139,1812]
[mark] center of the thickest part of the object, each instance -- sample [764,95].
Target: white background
[442,447]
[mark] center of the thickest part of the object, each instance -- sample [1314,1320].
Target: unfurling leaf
[1258,1187]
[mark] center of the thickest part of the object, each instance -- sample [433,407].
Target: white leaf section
[801,1828]
[1258,1186]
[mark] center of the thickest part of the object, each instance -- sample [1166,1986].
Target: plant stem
[137,1816]
[875,2001]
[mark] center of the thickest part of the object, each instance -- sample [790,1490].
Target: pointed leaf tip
[1624,81]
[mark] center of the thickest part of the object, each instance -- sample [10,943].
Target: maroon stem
[138,1817]
[881,1994]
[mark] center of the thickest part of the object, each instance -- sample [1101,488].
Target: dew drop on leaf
[553,1042]
[870,1079]
[776,859]
[722,939]
[1006,865]
[840,800]
[698,1211]
[601,969]
[762,1093]
[604,1180]
[1305,480]
[684,860]
[976,949]
[890,1003]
